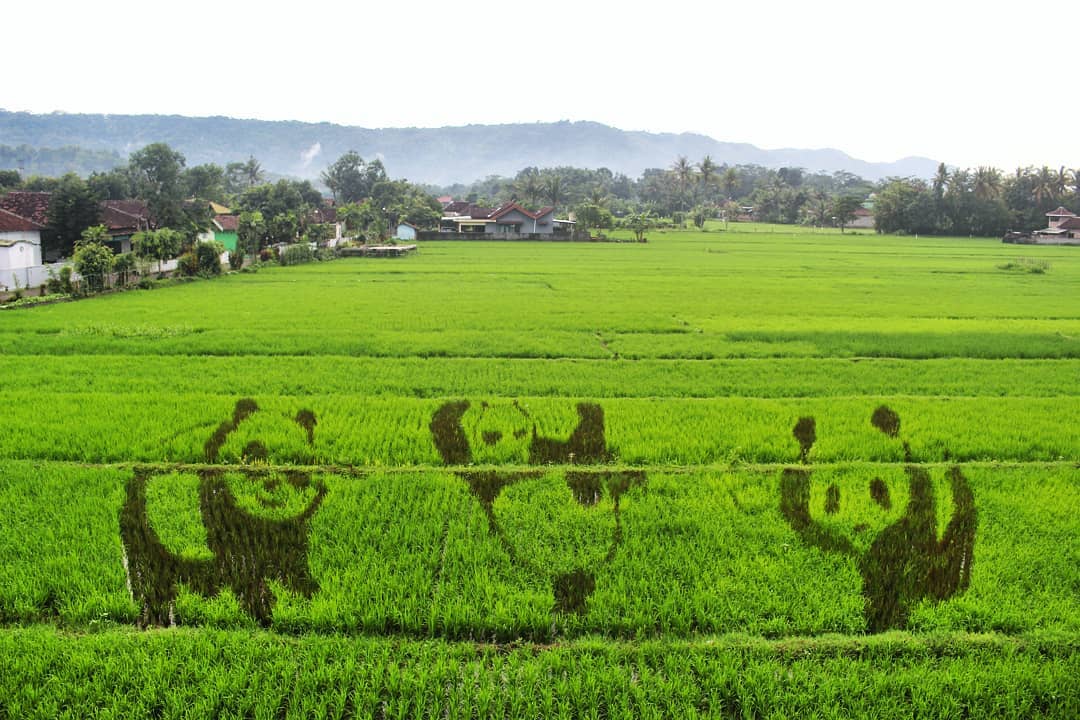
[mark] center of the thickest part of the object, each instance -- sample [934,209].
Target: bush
[266,255]
[124,267]
[93,261]
[188,264]
[208,255]
[297,254]
[236,260]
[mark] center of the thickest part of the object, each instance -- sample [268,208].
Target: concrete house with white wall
[20,244]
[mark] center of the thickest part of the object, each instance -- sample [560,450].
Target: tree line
[982,201]
[271,211]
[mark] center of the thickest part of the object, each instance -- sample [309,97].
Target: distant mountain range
[439,156]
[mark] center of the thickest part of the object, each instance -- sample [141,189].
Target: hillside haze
[440,156]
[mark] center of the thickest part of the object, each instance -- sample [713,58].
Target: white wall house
[405,231]
[20,247]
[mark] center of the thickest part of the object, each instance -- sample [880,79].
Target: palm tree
[707,169]
[1044,185]
[941,179]
[553,190]
[730,181]
[1062,181]
[958,182]
[684,173]
[987,183]
[529,185]
[253,171]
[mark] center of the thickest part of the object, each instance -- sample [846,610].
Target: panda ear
[306,419]
[449,436]
[245,408]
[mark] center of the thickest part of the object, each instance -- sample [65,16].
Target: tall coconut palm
[987,183]
[1062,181]
[553,190]
[683,170]
[958,182]
[730,181]
[707,170]
[1043,187]
[253,172]
[529,185]
[941,179]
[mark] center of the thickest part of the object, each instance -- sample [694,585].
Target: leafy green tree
[350,179]
[9,179]
[904,205]
[240,176]
[251,229]
[639,224]
[114,184]
[593,216]
[283,228]
[319,234]
[161,245]
[73,208]
[843,208]
[206,182]
[92,259]
[157,172]
[700,214]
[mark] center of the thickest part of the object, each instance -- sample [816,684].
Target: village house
[20,244]
[124,218]
[507,220]
[1063,228]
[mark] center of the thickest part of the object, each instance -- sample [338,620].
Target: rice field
[733,474]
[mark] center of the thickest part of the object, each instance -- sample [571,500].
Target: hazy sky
[961,82]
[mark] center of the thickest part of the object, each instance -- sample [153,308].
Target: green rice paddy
[552,480]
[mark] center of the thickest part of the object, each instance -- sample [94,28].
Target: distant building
[405,231]
[1063,228]
[124,218]
[20,244]
[864,218]
[507,220]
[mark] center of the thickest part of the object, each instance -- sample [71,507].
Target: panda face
[261,442]
[498,433]
[272,493]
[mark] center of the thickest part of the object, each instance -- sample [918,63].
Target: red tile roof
[1072,223]
[228,223]
[324,215]
[122,216]
[507,207]
[30,205]
[10,222]
[1060,212]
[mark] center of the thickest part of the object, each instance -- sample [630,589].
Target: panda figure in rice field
[256,521]
[555,525]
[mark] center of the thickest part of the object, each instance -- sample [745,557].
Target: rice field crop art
[906,561]
[501,476]
[581,523]
[256,529]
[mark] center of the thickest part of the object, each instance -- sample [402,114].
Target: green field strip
[179,674]
[937,339]
[445,377]
[149,426]
[413,554]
